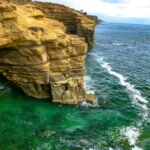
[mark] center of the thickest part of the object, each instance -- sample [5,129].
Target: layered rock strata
[15,1]
[38,56]
[94,18]
[75,22]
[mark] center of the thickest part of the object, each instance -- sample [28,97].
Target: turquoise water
[118,72]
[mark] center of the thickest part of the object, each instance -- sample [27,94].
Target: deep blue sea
[118,71]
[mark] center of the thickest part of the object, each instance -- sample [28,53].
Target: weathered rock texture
[94,18]
[91,17]
[76,22]
[38,56]
[15,1]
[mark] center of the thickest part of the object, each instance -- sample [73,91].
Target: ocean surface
[118,71]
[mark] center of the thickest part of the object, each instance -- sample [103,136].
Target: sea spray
[89,88]
[2,87]
[131,133]
[88,85]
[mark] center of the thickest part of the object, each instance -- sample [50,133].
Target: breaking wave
[131,133]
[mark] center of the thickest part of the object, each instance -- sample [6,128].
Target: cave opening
[72,29]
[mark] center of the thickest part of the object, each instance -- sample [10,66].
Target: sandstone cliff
[94,18]
[38,56]
[91,17]
[15,1]
[76,22]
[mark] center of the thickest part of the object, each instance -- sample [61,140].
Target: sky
[123,11]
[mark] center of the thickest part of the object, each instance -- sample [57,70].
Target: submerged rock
[38,55]
[90,98]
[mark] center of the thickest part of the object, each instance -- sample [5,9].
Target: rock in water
[90,98]
[39,56]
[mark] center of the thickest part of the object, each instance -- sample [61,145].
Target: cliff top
[60,8]
[15,1]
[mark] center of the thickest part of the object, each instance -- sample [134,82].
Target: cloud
[127,9]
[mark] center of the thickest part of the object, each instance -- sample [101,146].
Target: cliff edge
[38,54]
[15,1]
[75,22]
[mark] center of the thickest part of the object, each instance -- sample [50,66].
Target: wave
[89,88]
[118,44]
[88,85]
[86,104]
[137,98]
[131,133]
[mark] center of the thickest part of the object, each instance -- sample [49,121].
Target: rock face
[76,22]
[15,1]
[91,17]
[39,57]
[94,18]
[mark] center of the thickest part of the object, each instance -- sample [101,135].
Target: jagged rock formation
[91,17]
[38,56]
[76,22]
[95,18]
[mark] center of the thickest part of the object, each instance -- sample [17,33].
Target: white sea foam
[2,87]
[88,85]
[117,43]
[92,149]
[137,98]
[111,148]
[136,148]
[85,104]
[131,133]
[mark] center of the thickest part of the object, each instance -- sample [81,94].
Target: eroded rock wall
[75,22]
[94,18]
[15,1]
[38,56]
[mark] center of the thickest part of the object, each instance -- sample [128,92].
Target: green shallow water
[26,123]
[29,124]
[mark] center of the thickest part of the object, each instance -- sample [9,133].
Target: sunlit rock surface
[39,57]
[75,21]
[15,1]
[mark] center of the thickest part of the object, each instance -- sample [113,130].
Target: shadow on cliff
[7,86]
